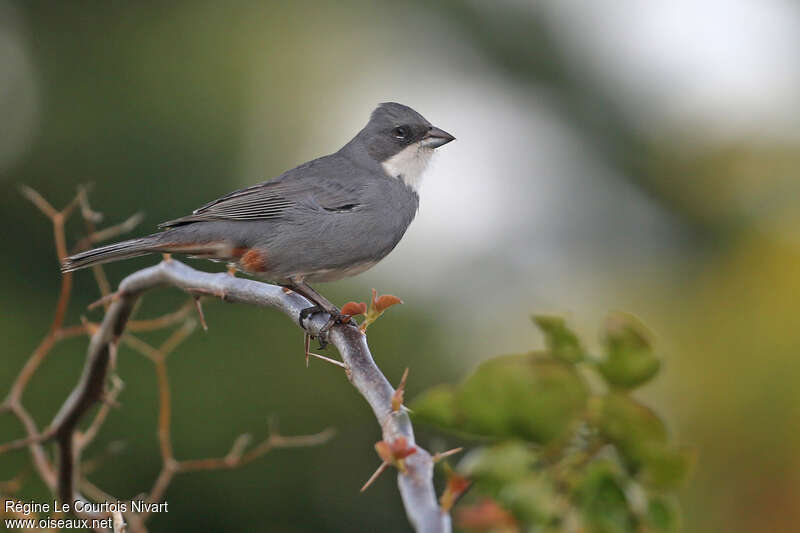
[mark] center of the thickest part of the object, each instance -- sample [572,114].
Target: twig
[119,522]
[24,442]
[110,232]
[237,457]
[91,432]
[39,201]
[200,315]
[163,321]
[13,402]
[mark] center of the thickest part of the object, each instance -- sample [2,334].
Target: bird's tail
[113,252]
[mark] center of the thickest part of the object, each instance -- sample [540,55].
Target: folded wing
[272,199]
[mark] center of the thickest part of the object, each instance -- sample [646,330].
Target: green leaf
[633,428]
[532,500]
[602,502]
[629,360]
[663,515]
[495,466]
[437,406]
[560,340]
[523,396]
[666,467]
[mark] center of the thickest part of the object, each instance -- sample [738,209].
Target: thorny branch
[415,483]
[61,480]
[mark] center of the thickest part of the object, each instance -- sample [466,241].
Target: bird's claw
[336,317]
[308,311]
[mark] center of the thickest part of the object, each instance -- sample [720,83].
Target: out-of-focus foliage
[564,455]
[531,396]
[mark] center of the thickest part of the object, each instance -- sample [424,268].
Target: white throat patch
[409,165]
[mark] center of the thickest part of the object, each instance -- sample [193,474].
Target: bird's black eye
[401,132]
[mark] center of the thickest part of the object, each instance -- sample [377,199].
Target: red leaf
[486,515]
[384,451]
[401,449]
[386,301]
[457,485]
[354,308]
[394,452]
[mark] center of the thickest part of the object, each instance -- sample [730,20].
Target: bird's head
[401,141]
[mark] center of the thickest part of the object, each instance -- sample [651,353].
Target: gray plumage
[326,219]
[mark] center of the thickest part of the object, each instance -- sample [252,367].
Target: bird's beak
[436,138]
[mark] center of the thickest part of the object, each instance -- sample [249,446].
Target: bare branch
[38,200]
[96,236]
[23,442]
[163,321]
[237,457]
[91,432]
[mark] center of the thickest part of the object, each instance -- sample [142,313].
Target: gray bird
[327,219]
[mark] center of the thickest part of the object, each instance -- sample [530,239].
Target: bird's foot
[309,311]
[336,317]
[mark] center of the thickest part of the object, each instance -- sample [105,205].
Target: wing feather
[272,199]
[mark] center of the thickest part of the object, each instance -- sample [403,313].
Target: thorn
[91,327]
[307,342]
[329,360]
[104,300]
[166,257]
[117,382]
[108,399]
[374,476]
[439,456]
[397,397]
[200,314]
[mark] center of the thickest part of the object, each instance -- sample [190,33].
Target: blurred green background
[618,155]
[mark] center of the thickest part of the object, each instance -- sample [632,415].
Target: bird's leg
[321,305]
